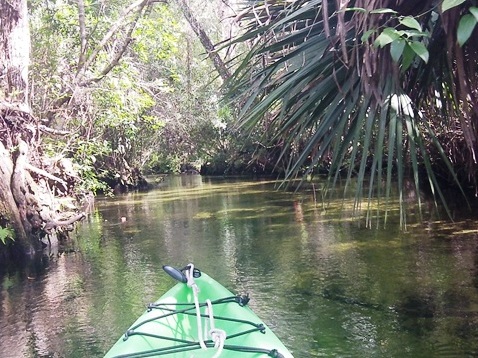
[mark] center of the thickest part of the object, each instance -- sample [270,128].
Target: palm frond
[320,87]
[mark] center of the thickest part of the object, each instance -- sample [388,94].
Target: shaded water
[327,287]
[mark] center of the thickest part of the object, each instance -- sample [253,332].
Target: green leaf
[383,11]
[411,23]
[412,33]
[474,12]
[359,9]
[449,4]
[396,49]
[366,35]
[465,28]
[408,56]
[420,49]
[6,234]
[387,36]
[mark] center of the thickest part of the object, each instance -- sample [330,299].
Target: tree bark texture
[14,51]
[9,214]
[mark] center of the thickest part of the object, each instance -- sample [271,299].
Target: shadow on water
[325,285]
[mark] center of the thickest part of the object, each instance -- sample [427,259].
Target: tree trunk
[205,40]
[9,214]
[27,204]
[14,52]
[14,62]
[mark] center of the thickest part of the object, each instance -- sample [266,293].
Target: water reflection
[325,285]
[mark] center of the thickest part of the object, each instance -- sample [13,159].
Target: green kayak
[198,317]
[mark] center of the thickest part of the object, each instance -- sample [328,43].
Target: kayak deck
[170,326]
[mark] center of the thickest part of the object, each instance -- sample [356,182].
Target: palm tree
[366,89]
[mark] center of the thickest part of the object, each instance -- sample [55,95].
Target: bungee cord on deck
[215,338]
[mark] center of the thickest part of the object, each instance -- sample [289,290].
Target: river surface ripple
[327,286]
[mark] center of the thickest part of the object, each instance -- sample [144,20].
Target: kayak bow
[198,317]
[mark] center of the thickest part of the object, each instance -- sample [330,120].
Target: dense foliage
[126,92]
[377,90]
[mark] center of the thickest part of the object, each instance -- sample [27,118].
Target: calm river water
[327,286]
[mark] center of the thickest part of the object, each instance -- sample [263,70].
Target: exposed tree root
[34,188]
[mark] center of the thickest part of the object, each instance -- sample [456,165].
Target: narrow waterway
[326,286]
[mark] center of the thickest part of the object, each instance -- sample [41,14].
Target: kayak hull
[170,326]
